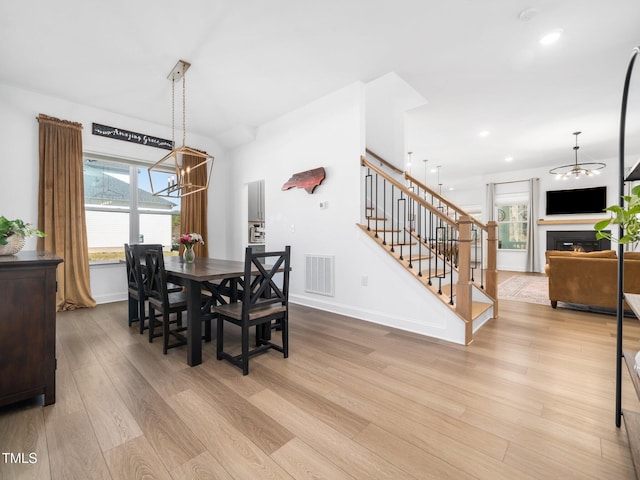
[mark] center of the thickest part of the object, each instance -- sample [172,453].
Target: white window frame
[133,210]
[511,200]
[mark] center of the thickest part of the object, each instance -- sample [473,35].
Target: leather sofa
[590,278]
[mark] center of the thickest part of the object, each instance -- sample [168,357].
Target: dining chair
[264,305]
[167,302]
[137,295]
[137,280]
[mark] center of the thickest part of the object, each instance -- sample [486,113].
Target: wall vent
[319,274]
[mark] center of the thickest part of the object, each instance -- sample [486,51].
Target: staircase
[452,254]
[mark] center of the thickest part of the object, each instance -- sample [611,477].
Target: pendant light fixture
[576,169]
[184,181]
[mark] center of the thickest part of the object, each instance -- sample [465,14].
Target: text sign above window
[127,136]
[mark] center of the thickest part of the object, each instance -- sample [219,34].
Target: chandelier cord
[173,113]
[181,183]
[184,110]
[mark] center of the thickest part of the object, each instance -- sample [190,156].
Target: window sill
[106,263]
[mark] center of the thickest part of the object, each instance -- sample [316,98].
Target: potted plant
[13,234]
[627,218]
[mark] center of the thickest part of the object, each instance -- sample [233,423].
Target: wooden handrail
[424,187]
[384,162]
[365,163]
[446,202]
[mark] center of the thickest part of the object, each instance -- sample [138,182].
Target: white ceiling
[478,65]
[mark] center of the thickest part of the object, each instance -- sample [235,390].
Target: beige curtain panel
[61,209]
[193,209]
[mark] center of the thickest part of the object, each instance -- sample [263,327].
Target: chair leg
[141,315]
[207,330]
[219,335]
[165,332]
[133,306]
[284,324]
[245,348]
[152,323]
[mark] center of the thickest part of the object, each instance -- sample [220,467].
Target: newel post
[464,289]
[492,264]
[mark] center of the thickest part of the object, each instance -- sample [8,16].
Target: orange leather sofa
[590,278]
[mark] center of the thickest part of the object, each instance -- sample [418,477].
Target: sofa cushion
[571,253]
[632,255]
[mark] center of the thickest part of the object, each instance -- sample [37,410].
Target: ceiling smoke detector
[527,14]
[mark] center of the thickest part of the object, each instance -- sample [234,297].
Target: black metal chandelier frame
[576,169]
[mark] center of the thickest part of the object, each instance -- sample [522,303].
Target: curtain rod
[513,181]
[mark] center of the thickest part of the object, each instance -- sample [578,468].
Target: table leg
[194,324]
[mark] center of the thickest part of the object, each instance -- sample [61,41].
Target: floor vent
[319,274]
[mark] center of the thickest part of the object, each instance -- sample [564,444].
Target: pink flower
[191,239]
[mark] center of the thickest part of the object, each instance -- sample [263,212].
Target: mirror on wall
[256,229]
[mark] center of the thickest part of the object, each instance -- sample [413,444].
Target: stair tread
[424,256]
[478,308]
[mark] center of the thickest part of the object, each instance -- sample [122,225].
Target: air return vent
[319,274]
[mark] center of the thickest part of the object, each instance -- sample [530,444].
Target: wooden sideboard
[28,326]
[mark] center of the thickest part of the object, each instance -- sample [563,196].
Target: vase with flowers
[189,240]
[13,234]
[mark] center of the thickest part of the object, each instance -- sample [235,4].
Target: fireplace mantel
[570,221]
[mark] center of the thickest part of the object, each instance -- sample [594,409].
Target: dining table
[221,278]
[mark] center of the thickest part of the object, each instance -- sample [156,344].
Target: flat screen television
[577,200]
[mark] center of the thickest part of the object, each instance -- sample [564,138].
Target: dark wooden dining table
[219,277]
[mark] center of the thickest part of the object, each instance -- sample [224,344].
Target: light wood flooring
[531,397]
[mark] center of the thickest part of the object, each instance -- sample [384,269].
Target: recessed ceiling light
[451,189]
[551,37]
[484,133]
[508,159]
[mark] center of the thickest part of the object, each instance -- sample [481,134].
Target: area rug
[525,288]
[535,289]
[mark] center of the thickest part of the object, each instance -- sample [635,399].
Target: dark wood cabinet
[28,326]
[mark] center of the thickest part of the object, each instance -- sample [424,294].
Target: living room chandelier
[184,181]
[576,169]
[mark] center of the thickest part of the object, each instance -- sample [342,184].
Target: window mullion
[134,216]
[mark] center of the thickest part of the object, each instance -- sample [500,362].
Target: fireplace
[577,240]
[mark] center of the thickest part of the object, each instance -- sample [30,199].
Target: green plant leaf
[602,224]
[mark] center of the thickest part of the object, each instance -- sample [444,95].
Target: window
[512,212]
[121,209]
[512,224]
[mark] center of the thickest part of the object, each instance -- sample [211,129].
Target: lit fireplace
[576,240]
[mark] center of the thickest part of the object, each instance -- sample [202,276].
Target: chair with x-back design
[264,305]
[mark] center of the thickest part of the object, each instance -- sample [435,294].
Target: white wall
[329,133]
[19,196]
[388,98]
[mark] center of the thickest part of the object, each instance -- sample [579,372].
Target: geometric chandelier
[576,169]
[183,182]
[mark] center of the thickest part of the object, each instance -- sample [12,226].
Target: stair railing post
[465,289]
[492,264]
[384,210]
[368,198]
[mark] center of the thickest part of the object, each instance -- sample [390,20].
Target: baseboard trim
[452,333]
